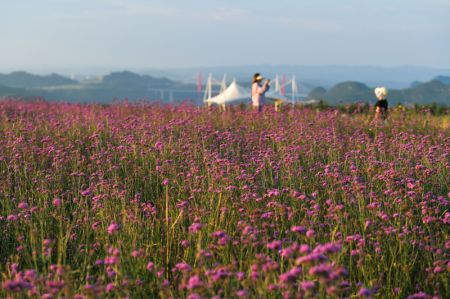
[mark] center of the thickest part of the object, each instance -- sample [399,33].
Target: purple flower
[322,270]
[307,285]
[312,257]
[113,228]
[274,244]
[194,282]
[109,287]
[310,233]
[298,229]
[12,217]
[242,293]
[159,145]
[290,276]
[86,192]
[195,227]
[150,266]
[22,205]
[57,202]
[420,295]
[365,292]
[183,267]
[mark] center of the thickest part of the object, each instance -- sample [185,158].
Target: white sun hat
[381,92]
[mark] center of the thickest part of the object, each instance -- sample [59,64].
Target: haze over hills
[126,84]
[22,79]
[434,91]
[309,75]
[312,75]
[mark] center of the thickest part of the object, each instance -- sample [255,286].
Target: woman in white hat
[381,107]
[258,92]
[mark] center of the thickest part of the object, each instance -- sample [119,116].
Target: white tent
[233,93]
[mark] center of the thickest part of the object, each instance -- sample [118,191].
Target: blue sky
[188,33]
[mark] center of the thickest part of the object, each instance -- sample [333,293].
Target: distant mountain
[415,84]
[424,93]
[117,85]
[26,80]
[443,79]
[348,92]
[128,79]
[315,75]
[433,91]
[317,93]
[132,86]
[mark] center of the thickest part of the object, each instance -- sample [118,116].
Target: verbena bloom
[159,145]
[298,229]
[310,233]
[307,285]
[195,227]
[365,292]
[183,267]
[113,228]
[57,202]
[150,266]
[22,205]
[194,282]
[109,287]
[290,276]
[12,217]
[276,244]
[242,293]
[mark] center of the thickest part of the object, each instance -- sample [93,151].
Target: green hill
[433,91]
[348,92]
[443,79]
[131,80]
[317,93]
[26,80]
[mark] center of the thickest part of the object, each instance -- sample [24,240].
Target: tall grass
[160,201]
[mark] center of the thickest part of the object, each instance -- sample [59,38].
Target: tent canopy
[233,93]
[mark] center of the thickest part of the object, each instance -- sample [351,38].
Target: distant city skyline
[138,34]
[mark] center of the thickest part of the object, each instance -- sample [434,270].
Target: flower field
[149,201]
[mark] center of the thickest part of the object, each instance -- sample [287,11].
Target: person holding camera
[259,90]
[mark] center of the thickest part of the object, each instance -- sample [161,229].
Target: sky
[197,33]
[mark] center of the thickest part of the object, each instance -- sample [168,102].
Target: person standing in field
[258,92]
[381,107]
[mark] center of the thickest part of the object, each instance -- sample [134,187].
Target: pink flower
[290,276]
[150,266]
[159,145]
[113,228]
[195,227]
[242,293]
[109,287]
[12,217]
[22,205]
[194,282]
[57,202]
[298,229]
[274,244]
[307,285]
[310,233]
